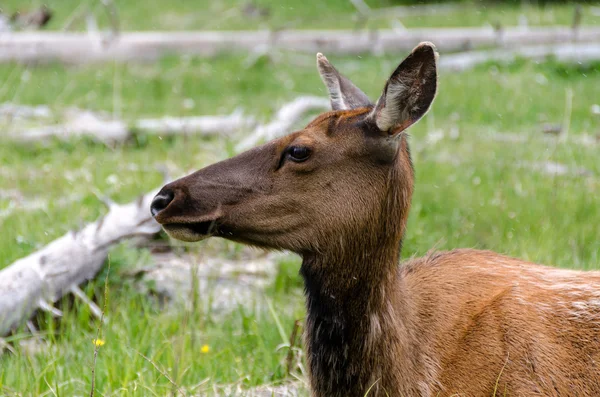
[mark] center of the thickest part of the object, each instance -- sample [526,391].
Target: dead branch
[82,123]
[286,117]
[38,280]
[85,123]
[12,111]
[70,47]
[564,53]
[195,125]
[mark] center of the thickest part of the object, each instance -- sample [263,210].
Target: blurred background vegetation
[287,14]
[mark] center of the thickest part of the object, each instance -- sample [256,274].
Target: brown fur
[459,323]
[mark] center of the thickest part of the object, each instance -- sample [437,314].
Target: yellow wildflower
[98,342]
[205,349]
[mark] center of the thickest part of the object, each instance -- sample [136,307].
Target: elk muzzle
[173,208]
[206,202]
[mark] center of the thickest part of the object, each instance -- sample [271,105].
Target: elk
[338,192]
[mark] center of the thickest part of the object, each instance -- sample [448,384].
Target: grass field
[290,14]
[476,187]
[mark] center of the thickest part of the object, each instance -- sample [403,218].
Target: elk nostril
[161,201]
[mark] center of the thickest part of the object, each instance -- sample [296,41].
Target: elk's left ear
[409,92]
[343,93]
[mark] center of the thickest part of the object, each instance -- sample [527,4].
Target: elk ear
[409,91]
[342,93]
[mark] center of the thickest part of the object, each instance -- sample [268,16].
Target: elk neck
[353,294]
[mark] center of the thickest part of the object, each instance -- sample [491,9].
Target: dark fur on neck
[343,362]
[351,298]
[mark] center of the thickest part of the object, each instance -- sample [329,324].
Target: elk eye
[299,153]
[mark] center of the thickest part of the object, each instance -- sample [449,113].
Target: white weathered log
[17,202]
[34,282]
[576,52]
[230,283]
[38,280]
[96,311]
[148,46]
[195,125]
[84,123]
[13,111]
[285,118]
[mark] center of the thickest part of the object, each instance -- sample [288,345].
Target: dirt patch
[219,283]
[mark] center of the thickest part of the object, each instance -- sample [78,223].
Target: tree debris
[99,126]
[574,52]
[85,123]
[286,117]
[221,284]
[77,48]
[38,280]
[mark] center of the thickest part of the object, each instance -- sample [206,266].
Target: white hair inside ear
[342,93]
[409,91]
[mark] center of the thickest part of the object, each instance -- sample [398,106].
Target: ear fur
[409,91]
[343,94]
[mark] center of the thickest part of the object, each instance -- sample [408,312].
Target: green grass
[471,191]
[335,14]
[140,336]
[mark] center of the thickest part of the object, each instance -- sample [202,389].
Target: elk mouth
[191,232]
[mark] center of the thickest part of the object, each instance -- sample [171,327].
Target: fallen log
[284,119]
[85,123]
[70,47]
[40,279]
[224,125]
[577,52]
[82,123]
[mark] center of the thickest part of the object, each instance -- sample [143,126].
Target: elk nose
[161,201]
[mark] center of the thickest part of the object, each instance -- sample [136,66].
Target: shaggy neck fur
[355,305]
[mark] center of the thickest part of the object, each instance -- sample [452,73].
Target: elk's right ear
[343,94]
[409,92]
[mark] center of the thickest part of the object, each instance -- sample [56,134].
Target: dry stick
[284,119]
[113,15]
[578,52]
[98,332]
[96,311]
[163,373]
[110,131]
[117,97]
[46,275]
[75,14]
[392,13]
[6,84]
[361,7]
[36,204]
[568,110]
[50,273]
[146,46]
[577,16]
[290,355]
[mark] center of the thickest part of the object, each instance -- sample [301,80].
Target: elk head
[341,178]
